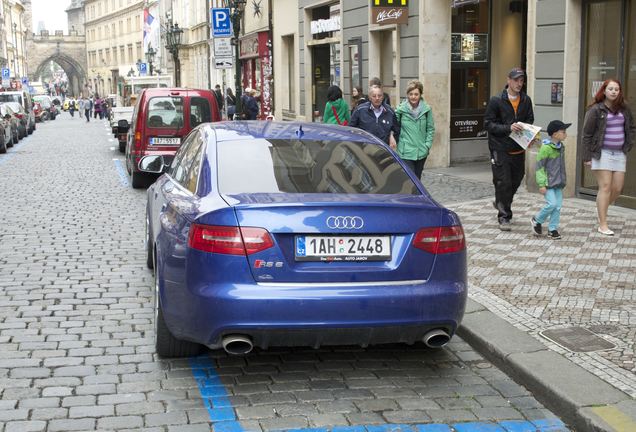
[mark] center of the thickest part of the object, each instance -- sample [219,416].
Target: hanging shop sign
[385,12]
[325,25]
[249,46]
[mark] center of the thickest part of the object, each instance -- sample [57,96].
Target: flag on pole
[151,30]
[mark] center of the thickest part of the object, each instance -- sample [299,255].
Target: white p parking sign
[221,24]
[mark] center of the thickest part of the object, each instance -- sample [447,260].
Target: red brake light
[440,240]
[229,240]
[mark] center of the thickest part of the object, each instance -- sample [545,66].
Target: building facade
[461,50]
[113,41]
[13,30]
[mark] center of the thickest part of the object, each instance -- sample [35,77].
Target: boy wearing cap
[507,158]
[551,179]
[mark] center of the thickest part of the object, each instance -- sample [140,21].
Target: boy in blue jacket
[550,176]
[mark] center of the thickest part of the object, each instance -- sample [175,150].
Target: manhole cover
[577,339]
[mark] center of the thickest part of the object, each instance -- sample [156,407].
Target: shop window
[288,72]
[470,69]
[610,52]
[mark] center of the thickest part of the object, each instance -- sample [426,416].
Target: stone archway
[75,72]
[67,51]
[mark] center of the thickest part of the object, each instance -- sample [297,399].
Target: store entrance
[610,53]
[321,61]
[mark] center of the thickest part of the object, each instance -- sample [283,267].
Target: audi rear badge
[345,222]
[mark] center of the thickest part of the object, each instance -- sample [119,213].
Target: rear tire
[149,247]
[165,343]
[3,148]
[122,147]
[139,180]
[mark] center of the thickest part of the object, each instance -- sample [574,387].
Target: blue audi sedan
[267,234]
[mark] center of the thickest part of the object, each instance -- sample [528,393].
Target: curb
[580,398]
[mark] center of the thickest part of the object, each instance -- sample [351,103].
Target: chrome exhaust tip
[436,338]
[237,344]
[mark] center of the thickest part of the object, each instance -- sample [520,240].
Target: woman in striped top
[608,135]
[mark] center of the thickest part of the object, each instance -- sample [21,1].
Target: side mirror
[153,164]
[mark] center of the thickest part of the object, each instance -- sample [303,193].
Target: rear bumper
[314,314]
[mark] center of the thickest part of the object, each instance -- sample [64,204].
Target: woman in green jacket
[336,109]
[417,128]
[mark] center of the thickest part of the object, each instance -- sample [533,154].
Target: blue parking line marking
[123,175]
[518,426]
[222,414]
[478,427]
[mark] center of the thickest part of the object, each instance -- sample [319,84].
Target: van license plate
[165,141]
[343,248]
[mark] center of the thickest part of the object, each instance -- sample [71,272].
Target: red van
[161,120]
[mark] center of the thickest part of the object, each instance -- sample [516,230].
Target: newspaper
[527,135]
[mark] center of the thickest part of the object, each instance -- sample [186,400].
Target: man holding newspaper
[505,115]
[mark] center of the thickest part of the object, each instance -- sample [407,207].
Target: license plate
[165,141]
[343,248]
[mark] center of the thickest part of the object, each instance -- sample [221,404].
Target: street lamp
[173,40]
[237,6]
[150,56]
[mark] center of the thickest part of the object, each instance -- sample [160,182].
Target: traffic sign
[221,24]
[6,73]
[143,68]
[223,63]
[25,81]
[223,47]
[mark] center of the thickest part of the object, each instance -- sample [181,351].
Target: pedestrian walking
[336,109]
[377,118]
[357,97]
[551,179]
[97,107]
[417,128]
[82,107]
[88,107]
[503,114]
[218,95]
[71,107]
[608,135]
[375,81]
[230,102]
[249,105]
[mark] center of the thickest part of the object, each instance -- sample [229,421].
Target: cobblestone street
[76,328]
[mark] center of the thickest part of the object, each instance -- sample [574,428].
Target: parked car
[6,136]
[13,122]
[23,118]
[48,107]
[24,99]
[120,120]
[161,119]
[291,234]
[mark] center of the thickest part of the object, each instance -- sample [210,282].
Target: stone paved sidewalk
[584,280]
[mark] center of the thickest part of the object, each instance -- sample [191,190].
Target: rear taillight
[137,139]
[229,240]
[440,240]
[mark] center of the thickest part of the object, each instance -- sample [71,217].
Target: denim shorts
[611,160]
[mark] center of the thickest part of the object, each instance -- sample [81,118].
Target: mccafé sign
[384,12]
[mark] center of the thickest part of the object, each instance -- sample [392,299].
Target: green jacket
[416,136]
[341,108]
[551,165]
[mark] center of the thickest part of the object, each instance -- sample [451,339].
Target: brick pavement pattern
[583,280]
[76,324]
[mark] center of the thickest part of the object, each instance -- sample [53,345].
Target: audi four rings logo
[345,222]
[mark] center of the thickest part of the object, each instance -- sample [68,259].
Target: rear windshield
[165,112]
[10,98]
[305,166]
